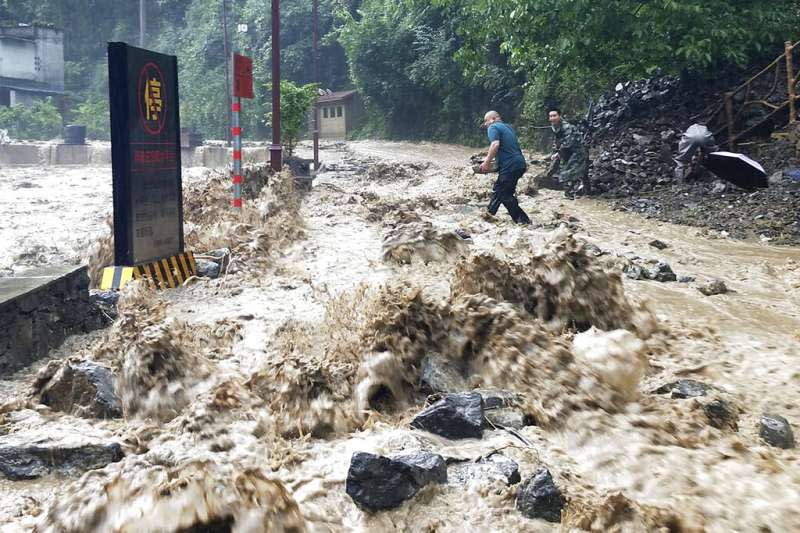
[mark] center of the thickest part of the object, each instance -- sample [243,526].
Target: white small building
[339,114]
[31,64]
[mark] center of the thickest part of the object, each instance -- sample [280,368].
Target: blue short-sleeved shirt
[509,157]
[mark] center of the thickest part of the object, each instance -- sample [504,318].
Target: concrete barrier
[38,310]
[23,154]
[216,157]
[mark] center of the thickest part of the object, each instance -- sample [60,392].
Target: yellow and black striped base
[169,272]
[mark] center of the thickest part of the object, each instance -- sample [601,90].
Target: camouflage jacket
[568,140]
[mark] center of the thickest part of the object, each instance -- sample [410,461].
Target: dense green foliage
[426,69]
[296,101]
[571,49]
[39,121]
[401,58]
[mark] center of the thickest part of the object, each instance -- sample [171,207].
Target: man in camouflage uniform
[571,154]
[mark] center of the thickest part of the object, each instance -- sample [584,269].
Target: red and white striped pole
[236,130]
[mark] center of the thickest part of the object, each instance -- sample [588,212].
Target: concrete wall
[100,155]
[21,46]
[38,312]
[18,59]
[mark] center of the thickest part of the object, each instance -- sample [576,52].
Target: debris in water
[538,497]
[712,288]
[378,483]
[776,431]
[81,388]
[456,416]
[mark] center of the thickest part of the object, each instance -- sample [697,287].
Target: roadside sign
[145,154]
[241,28]
[242,76]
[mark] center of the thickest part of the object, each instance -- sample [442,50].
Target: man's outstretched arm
[487,163]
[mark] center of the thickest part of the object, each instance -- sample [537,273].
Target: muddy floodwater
[245,397]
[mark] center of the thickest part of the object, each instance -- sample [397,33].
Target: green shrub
[39,121]
[93,113]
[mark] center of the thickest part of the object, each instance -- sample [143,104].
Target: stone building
[339,114]
[31,64]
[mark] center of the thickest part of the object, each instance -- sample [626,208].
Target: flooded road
[261,402]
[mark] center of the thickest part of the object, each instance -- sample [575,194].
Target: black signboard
[145,154]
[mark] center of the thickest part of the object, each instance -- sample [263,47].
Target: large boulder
[81,388]
[21,458]
[538,497]
[776,431]
[456,416]
[376,483]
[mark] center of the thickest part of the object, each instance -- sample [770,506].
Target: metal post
[236,130]
[142,23]
[227,71]
[275,149]
[790,81]
[729,119]
[315,18]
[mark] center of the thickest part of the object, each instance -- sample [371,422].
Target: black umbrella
[736,168]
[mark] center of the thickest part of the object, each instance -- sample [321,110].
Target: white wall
[333,127]
[18,59]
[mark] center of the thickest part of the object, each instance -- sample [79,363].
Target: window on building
[324,112]
[338,111]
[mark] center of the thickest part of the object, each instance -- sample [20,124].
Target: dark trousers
[504,192]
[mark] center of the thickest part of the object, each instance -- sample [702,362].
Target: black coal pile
[633,135]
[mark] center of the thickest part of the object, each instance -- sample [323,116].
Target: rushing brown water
[245,397]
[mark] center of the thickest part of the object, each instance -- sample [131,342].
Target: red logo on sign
[152,101]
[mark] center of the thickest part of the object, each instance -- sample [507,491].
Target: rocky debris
[659,271]
[713,288]
[456,416]
[388,171]
[776,431]
[686,279]
[441,375]
[501,409]
[495,467]
[22,459]
[81,388]
[105,301]
[662,272]
[721,414]
[683,389]
[376,483]
[659,245]
[538,497]
[207,268]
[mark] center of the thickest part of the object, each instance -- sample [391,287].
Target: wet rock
[592,250]
[635,272]
[684,388]
[105,301]
[456,416]
[713,288]
[721,414]
[24,460]
[538,497]
[660,245]
[207,269]
[686,279]
[501,410]
[776,431]
[376,483]
[81,388]
[495,467]
[662,272]
[440,375]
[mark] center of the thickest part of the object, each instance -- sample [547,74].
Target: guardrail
[762,91]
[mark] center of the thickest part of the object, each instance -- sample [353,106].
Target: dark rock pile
[633,136]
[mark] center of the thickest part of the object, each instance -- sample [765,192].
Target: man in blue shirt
[511,166]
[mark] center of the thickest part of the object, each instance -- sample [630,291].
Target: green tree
[39,121]
[94,114]
[296,101]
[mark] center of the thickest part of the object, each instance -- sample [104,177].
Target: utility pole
[227,72]
[142,23]
[315,19]
[275,149]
